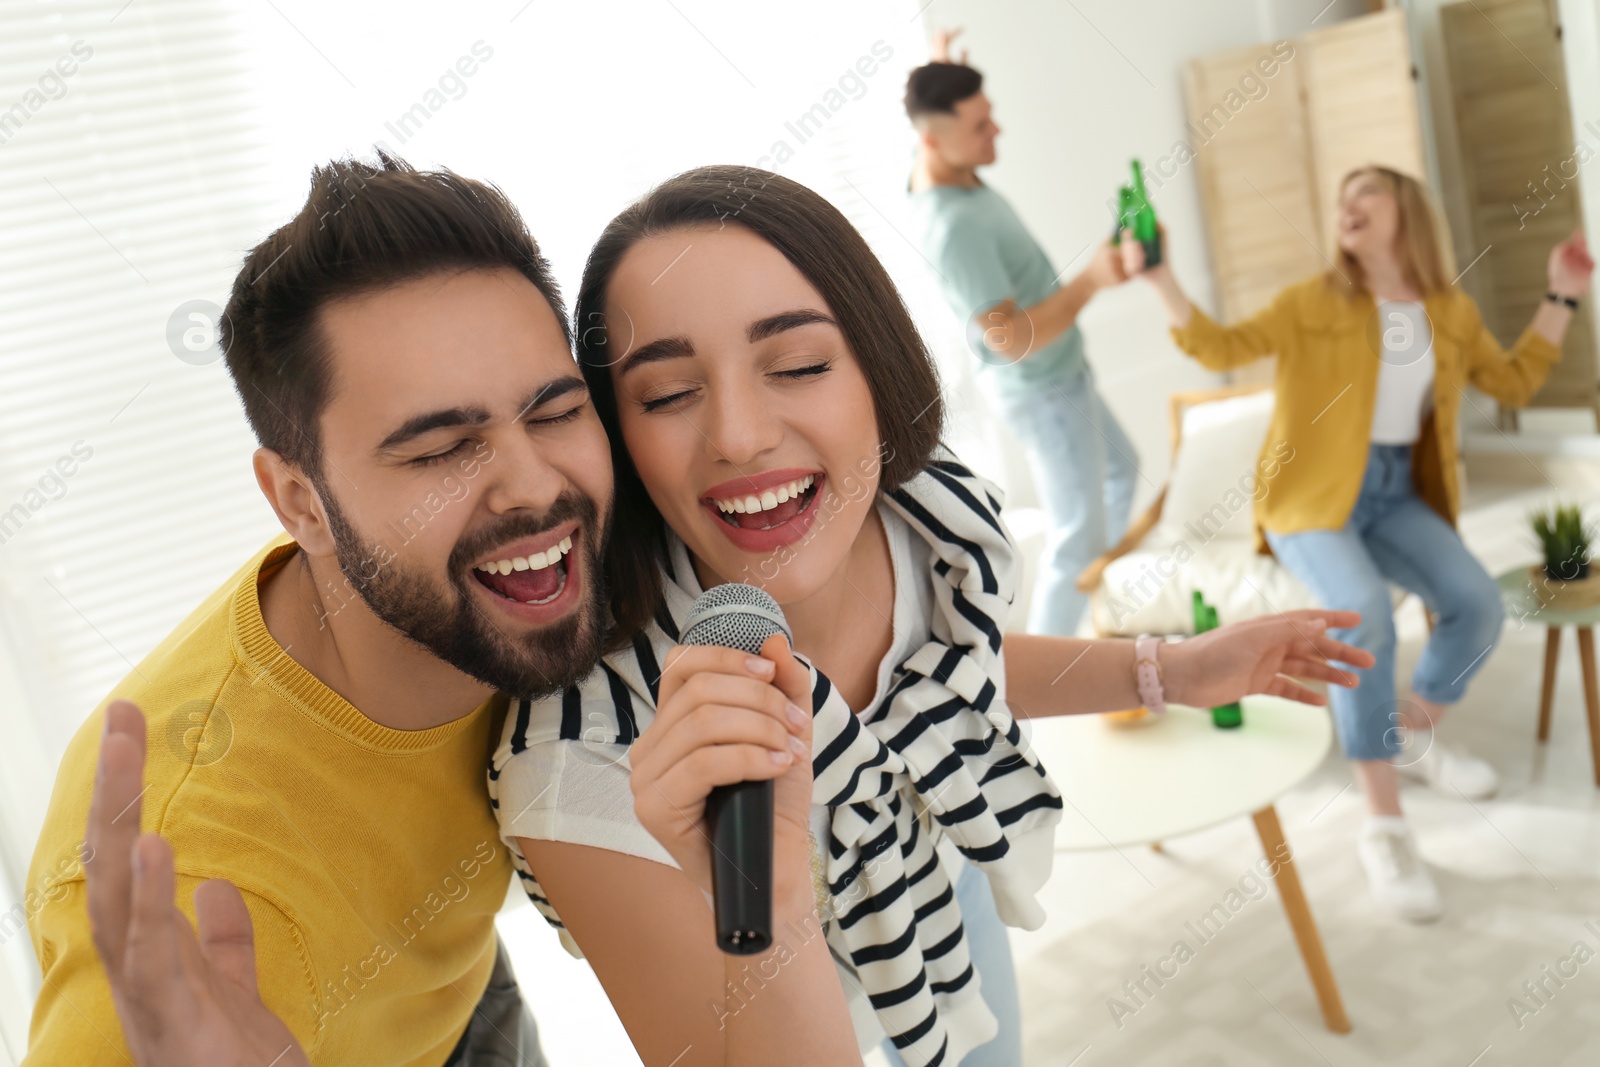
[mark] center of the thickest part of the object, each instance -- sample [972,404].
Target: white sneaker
[1395,872]
[1424,758]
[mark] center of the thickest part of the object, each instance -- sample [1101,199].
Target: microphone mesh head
[735,616]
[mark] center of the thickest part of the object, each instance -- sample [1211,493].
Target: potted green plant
[1565,541]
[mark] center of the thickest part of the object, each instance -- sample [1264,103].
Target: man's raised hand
[184,1000]
[939,51]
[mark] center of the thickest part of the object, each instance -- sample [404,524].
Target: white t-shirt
[913,607]
[560,791]
[1405,373]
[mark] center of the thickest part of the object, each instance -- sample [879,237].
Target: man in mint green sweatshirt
[1022,327]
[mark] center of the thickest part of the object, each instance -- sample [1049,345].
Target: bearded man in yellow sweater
[318,728]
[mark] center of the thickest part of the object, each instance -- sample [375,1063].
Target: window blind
[128,158]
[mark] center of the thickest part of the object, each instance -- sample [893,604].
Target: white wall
[1078,89]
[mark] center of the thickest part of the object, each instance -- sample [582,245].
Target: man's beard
[451,625]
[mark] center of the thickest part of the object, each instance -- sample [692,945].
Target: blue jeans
[1392,536]
[991,958]
[1084,469]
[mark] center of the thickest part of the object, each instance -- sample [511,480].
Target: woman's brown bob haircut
[831,255]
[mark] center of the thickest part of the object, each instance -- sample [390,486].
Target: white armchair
[1198,534]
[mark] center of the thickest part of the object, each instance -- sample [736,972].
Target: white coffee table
[1140,785]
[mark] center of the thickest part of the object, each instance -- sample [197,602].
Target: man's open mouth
[768,509]
[535,579]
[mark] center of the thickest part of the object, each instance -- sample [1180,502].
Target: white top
[941,756]
[913,612]
[1405,373]
[587,801]
[581,796]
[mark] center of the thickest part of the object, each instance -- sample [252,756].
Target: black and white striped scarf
[939,755]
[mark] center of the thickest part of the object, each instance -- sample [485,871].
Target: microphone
[741,617]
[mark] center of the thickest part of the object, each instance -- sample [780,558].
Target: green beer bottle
[1125,213]
[1227,716]
[1143,221]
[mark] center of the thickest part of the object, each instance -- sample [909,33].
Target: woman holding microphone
[1372,360]
[776,420]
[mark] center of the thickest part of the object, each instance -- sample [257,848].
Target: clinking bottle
[1227,716]
[1136,213]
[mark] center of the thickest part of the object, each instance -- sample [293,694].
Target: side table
[1522,602]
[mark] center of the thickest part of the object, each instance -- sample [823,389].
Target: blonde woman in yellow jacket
[1372,361]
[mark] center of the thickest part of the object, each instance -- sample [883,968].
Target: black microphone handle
[741,817]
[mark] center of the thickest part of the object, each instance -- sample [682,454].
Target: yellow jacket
[1328,349]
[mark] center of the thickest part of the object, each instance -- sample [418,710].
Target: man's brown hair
[936,88]
[364,226]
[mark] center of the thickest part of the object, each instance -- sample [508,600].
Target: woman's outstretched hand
[1571,266]
[725,717]
[1261,655]
[184,1000]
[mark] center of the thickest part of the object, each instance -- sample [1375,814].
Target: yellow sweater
[368,857]
[1328,350]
